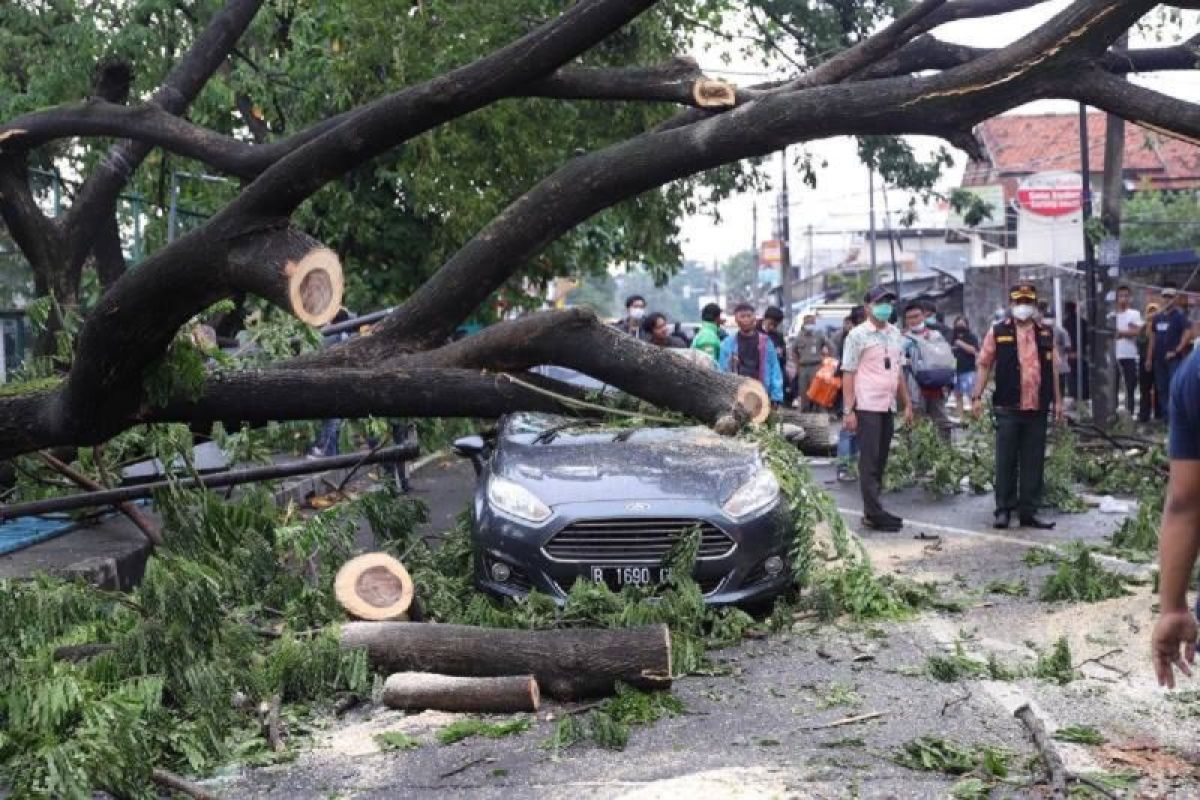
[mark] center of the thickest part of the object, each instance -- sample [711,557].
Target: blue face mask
[882,311]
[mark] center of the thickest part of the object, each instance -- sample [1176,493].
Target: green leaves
[466,728]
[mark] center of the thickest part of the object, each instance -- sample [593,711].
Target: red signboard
[1051,194]
[770,253]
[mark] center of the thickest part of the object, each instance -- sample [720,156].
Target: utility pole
[754,252]
[887,222]
[1104,368]
[785,242]
[1089,258]
[871,191]
[811,264]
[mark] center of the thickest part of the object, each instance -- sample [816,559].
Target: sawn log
[567,664]
[417,691]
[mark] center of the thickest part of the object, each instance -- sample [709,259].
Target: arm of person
[726,355]
[1174,640]
[849,403]
[1150,347]
[983,371]
[967,347]
[1059,411]
[906,407]
[774,375]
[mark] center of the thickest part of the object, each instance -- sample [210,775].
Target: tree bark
[568,664]
[418,691]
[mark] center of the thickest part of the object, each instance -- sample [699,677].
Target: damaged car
[560,500]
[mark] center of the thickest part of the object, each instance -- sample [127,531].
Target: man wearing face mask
[1021,353]
[871,384]
[635,312]
[808,351]
[1168,343]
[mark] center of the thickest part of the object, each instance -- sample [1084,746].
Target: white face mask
[1023,312]
[636,313]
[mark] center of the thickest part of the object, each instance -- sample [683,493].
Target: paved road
[756,732]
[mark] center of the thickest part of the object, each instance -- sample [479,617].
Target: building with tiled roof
[1023,144]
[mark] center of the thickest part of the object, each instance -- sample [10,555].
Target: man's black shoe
[883,524]
[1039,524]
[1003,519]
[892,518]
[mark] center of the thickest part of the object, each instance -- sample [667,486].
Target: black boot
[1034,522]
[1003,519]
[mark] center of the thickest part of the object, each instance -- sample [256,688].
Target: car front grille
[634,541]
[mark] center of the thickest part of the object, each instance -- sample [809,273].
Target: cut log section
[375,587]
[419,691]
[293,271]
[567,664]
[752,397]
[714,94]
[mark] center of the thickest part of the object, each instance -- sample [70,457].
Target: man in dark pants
[1168,339]
[1021,352]
[871,384]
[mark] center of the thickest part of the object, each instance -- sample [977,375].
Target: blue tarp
[17,534]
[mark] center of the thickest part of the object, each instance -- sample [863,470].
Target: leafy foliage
[935,754]
[395,740]
[609,725]
[466,728]
[1054,666]
[1080,578]
[183,644]
[1080,734]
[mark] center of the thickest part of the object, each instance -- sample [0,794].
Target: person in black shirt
[965,345]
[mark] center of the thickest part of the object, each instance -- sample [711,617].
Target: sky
[840,203]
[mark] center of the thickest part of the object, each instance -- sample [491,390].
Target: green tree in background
[1155,221]
[740,272]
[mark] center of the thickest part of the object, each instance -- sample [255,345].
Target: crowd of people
[888,360]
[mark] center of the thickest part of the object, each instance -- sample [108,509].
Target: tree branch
[385,123]
[1148,108]
[97,197]
[841,66]
[32,230]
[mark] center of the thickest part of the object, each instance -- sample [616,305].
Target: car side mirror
[472,447]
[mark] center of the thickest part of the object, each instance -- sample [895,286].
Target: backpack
[933,362]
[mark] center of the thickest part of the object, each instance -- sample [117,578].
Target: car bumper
[736,577]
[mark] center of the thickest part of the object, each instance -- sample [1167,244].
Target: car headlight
[515,500]
[753,496]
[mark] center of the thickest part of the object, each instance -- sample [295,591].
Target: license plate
[631,576]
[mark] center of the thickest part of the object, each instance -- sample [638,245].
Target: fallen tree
[899,80]
[568,664]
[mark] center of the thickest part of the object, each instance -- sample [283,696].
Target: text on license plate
[633,576]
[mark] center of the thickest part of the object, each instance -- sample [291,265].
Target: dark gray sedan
[561,500]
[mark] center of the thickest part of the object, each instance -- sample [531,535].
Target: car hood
[655,463]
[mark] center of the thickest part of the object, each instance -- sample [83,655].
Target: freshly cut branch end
[374,587]
[753,400]
[419,691]
[292,270]
[714,94]
[315,286]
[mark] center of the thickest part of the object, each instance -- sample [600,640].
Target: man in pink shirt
[1021,352]
[871,384]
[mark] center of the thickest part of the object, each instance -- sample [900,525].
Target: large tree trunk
[417,691]
[568,664]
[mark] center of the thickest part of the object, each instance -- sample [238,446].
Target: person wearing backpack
[929,369]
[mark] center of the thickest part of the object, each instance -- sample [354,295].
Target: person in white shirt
[1128,326]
